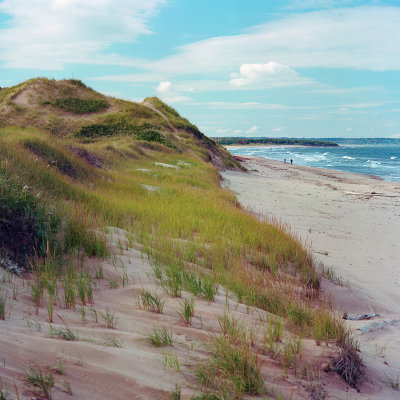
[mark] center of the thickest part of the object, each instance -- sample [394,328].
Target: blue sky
[295,68]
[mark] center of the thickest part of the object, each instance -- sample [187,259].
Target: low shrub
[77,82]
[144,132]
[25,228]
[80,106]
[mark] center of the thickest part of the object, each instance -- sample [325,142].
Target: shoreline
[351,222]
[335,171]
[238,146]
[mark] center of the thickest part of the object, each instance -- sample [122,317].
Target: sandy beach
[352,224]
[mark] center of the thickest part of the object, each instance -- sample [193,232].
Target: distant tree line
[274,141]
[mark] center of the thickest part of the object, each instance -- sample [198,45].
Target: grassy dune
[194,231]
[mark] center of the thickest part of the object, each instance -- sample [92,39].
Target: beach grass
[261,263]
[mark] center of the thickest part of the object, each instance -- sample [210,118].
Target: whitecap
[374,162]
[348,158]
[393,158]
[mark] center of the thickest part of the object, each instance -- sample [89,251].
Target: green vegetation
[3,306]
[393,381]
[112,341]
[151,301]
[53,156]
[232,368]
[80,106]
[40,380]
[176,278]
[170,360]
[143,132]
[160,337]
[77,82]
[64,333]
[25,228]
[186,310]
[3,390]
[110,319]
[274,141]
[192,230]
[175,393]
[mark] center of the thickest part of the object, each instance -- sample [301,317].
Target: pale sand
[135,371]
[352,223]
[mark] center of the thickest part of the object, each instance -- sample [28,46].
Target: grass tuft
[160,337]
[112,341]
[186,310]
[151,301]
[393,381]
[110,319]
[233,369]
[175,393]
[170,360]
[39,380]
[64,333]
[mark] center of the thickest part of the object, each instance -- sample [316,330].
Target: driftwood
[359,317]
[11,267]
[374,326]
[370,194]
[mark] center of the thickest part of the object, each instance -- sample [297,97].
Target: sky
[290,68]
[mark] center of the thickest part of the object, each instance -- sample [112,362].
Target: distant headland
[273,141]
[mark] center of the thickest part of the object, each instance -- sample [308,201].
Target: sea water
[380,158]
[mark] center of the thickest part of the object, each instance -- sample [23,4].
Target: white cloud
[278,129]
[169,94]
[253,129]
[357,37]
[349,129]
[237,131]
[271,74]
[163,87]
[226,130]
[397,136]
[50,34]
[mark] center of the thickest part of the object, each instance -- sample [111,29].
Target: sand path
[352,223]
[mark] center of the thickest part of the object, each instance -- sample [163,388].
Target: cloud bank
[47,35]
[358,38]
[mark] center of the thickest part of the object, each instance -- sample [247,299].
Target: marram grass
[189,220]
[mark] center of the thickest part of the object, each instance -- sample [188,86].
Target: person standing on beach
[291,161]
[284,160]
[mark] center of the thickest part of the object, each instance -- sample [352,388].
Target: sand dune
[137,370]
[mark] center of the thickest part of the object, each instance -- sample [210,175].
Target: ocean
[379,157]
